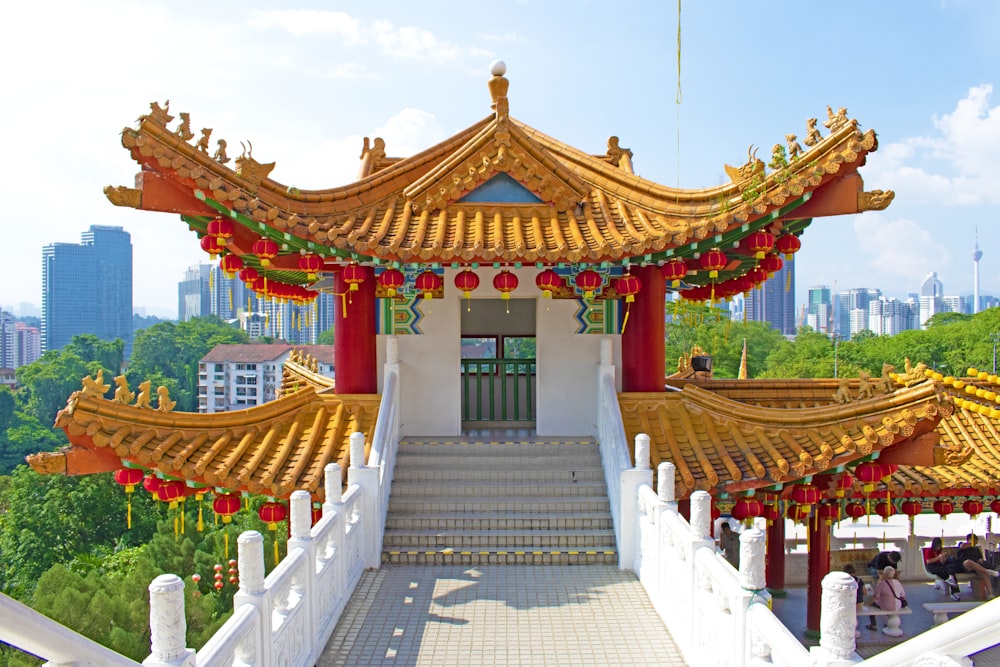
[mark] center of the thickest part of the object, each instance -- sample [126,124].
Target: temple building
[505,266]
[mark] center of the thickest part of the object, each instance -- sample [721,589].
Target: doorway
[498,365]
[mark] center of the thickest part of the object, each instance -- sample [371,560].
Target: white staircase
[535,501]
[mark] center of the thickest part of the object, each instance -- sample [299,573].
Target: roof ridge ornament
[498,93]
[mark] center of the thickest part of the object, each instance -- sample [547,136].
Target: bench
[892,620]
[942,609]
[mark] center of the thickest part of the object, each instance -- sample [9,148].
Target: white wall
[430,380]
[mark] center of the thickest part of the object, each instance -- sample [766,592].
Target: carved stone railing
[720,616]
[385,440]
[613,442]
[283,619]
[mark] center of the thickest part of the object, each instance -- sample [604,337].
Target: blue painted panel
[501,189]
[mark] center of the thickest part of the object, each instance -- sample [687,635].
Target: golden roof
[721,443]
[270,449]
[568,206]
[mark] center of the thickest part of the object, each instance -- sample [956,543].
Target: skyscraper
[87,288]
[193,293]
[774,301]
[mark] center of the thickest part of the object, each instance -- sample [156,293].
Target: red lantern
[757,275]
[747,508]
[972,507]
[210,244]
[855,511]
[771,264]
[129,478]
[674,271]
[788,245]
[353,275]
[226,506]
[467,281]
[152,484]
[713,261]
[628,286]
[272,513]
[829,513]
[744,284]
[230,265]
[429,282]
[943,508]
[248,274]
[797,512]
[548,281]
[885,510]
[759,243]
[221,228]
[911,507]
[311,263]
[995,506]
[870,473]
[842,484]
[505,282]
[589,282]
[266,250]
[771,513]
[171,491]
[391,280]
[806,494]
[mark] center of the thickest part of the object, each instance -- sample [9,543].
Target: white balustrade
[613,443]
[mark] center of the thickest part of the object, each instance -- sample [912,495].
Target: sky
[306,82]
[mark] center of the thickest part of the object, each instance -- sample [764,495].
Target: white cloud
[898,248]
[955,166]
[301,22]
[413,43]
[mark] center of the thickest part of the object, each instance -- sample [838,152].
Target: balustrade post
[250,549]
[300,525]
[167,626]
[369,502]
[631,480]
[752,582]
[838,622]
[334,504]
[701,538]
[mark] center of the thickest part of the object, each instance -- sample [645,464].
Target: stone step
[426,474]
[490,489]
[499,521]
[473,540]
[607,556]
[525,461]
[476,503]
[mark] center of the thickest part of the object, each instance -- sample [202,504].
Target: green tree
[325,338]
[171,351]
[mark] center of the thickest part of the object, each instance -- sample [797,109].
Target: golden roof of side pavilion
[498,192]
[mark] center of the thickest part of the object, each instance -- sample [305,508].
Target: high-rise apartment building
[194,297]
[8,340]
[27,344]
[774,301]
[852,311]
[87,288]
[819,310]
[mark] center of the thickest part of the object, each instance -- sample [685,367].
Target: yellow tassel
[625,320]
[128,512]
[276,555]
[201,523]
[230,298]
[788,278]
[225,536]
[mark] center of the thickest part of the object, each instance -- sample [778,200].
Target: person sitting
[971,558]
[889,594]
[882,560]
[942,566]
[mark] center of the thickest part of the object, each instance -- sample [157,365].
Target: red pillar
[819,567]
[774,559]
[643,355]
[354,337]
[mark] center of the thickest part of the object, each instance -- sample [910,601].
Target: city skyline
[305,86]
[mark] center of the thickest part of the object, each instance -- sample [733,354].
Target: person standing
[729,544]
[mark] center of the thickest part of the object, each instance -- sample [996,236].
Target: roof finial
[498,89]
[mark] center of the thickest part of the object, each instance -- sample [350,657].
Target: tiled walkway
[588,615]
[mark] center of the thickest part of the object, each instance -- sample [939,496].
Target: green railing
[498,390]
